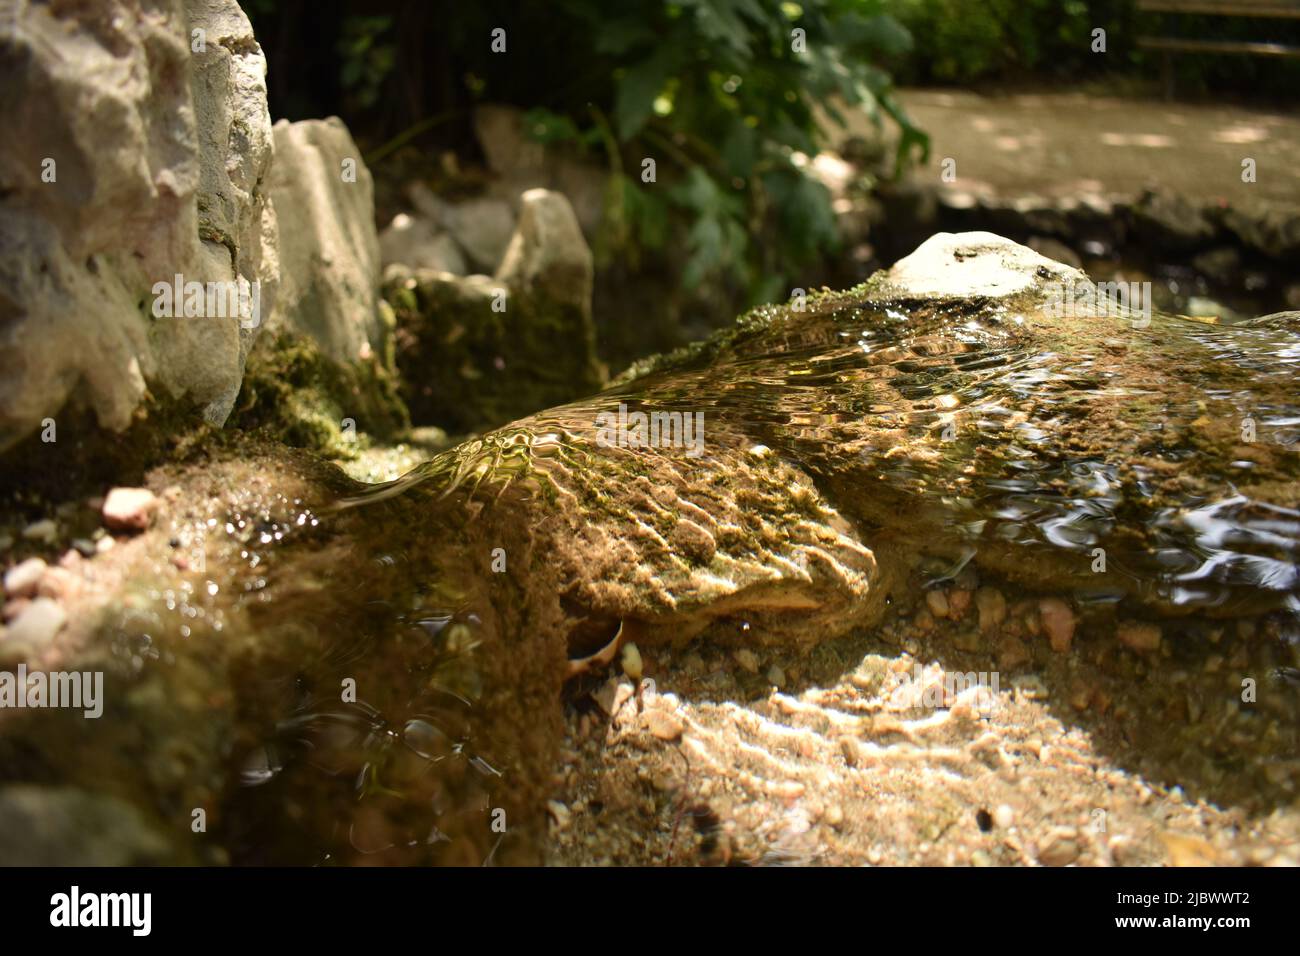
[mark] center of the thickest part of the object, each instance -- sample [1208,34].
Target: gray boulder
[329,249]
[414,241]
[521,163]
[547,259]
[480,229]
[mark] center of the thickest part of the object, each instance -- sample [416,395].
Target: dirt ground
[1070,144]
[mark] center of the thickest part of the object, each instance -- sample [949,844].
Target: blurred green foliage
[966,40]
[368,55]
[728,97]
[725,96]
[1020,41]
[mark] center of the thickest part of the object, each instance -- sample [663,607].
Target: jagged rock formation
[140,156]
[142,166]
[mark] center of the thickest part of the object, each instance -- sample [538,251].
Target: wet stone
[129,509]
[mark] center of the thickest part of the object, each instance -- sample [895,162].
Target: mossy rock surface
[293,393]
[475,354]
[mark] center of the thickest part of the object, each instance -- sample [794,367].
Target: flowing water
[373,674]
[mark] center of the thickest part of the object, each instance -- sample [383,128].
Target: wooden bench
[1263,9]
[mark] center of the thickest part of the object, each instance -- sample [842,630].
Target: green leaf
[740,148]
[543,126]
[616,37]
[637,89]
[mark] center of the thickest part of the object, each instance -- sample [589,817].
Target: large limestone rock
[547,258]
[138,140]
[479,229]
[329,250]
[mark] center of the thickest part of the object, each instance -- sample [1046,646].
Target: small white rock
[37,624]
[22,579]
[44,530]
[1004,816]
[632,661]
[559,813]
[129,509]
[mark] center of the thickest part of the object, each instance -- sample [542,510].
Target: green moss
[85,458]
[303,399]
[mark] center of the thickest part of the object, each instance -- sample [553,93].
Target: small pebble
[1187,850]
[58,583]
[747,659]
[776,676]
[632,661]
[1139,636]
[1060,849]
[851,751]
[22,579]
[937,602]
[1059,623]
[959,601]
[559,813]
[37,625]
[992,607]
[44,530]
[129,509]
[612,695]
[1004,816]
